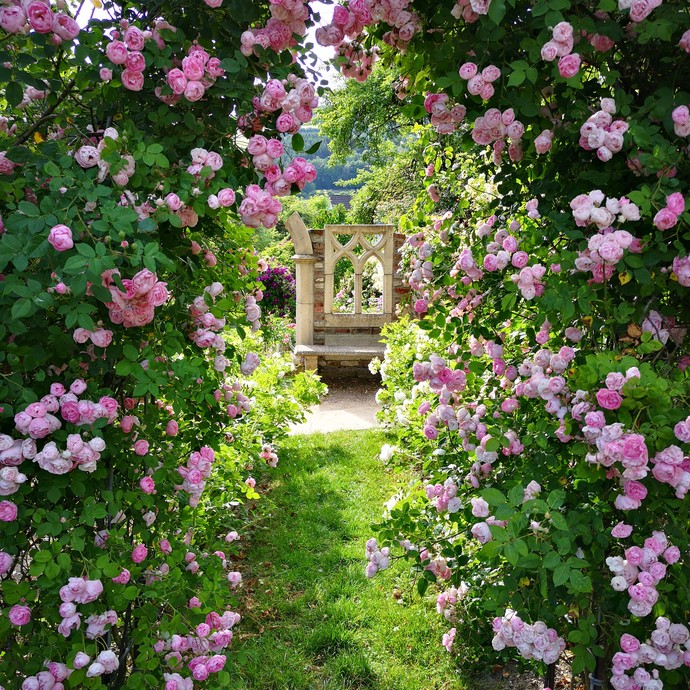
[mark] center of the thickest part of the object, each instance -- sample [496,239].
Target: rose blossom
[60,238]
[19,615]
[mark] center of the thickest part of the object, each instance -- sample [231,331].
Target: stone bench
[308,355]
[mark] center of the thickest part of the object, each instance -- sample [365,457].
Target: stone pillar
[304,281]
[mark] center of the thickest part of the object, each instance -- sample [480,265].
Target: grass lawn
[311,618]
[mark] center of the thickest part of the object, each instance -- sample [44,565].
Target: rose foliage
[545,389]
[131,406]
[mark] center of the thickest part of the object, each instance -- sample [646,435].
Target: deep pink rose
[143,281]
[135,61]
[172,428]
[60,237]
[609,400]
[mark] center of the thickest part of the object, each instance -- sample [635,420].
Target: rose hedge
[549,257]
[130,413]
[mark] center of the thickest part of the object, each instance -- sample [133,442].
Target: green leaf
[130,352]
[131,593]
[559,522]
[561,575]
[14,94]
[497,10]
[493,497]
[298,142]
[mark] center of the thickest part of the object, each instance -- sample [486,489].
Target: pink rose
[135,62]
[143,281]
[609,400]
[675,203]
[635,490]
[519,259]
[12,18]
[193,68]
[116,52]
[285,123]
[549,51]
[172,428]
[60,237]
[226,197]
[213,67]
[147,485]
[8,511]
[134,38]
[621,531]
[569,65]
[19,615]
[141,447]
[672,555]
[177,82]
[133,81]
[102,338]
[158,295]
[629,644]
[665,219]
[194,91]
[40,17]
[65,27]
[173,202]
[139,553]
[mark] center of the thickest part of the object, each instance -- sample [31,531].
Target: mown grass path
[311,619]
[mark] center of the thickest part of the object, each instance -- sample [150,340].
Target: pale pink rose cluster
[604,251]
[668,647]
[96,624]
[40,17]
[288,17]
[264,152]
[447,640]
[466,264]
[496,127]
[535,641]
[444,496]
[238,403]
[529,279]
[470,10]
[681,269]
[269,455]
[603,134]
[10,480]
[444,115]
[208,326]
[355,61]
[128,53]
[447,600]
[681,120]
[561,46]
[601,210]
[667,217]
[142,294]
[253,311]
[195,473]
[100,337]
[479,83]
[259,208]
[78,590]
[641,571]
[201,649]
[672,466]
[201,158]
[14,452]
[293,99]
[350,23]
[106,662]
[89,156]
[377,558]
[250,364]
[639,9]
[51,678]
[298,172]
[78,454]
[199,72]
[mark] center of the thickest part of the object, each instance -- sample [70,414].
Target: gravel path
[349,404]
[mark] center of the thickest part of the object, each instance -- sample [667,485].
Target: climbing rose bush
[544,390]
[136,394]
